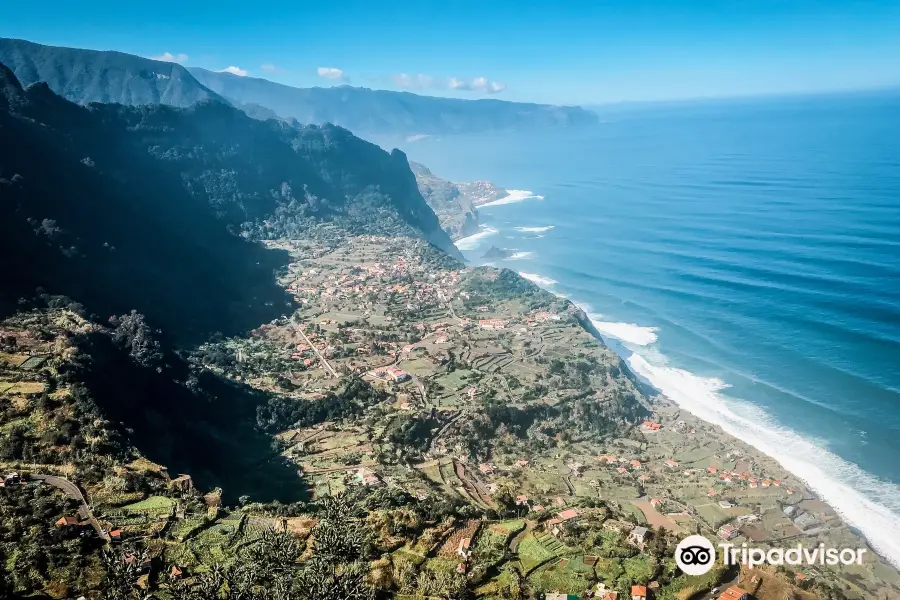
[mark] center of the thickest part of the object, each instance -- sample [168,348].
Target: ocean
[743,256]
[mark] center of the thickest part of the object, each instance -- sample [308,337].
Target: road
[433,444]
[71,490]
[328,367]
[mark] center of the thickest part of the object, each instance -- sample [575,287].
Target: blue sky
[560,52]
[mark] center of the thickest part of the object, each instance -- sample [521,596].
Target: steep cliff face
[157,208]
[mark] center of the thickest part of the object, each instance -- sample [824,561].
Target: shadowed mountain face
[141,208]
[84,76]
[379,111]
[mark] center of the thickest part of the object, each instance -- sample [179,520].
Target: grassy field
[152,505]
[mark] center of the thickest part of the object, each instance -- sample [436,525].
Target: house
[671,464]
[639,592]
[175,573]
[638,537]
[654,502]
[66,522]
[644,477]
[367,478]
[559,596]
[635,464]
[725,504]
[568,515]
[621,470]
[727,532]
[461,568]
[182,483]
[464,548]
[521,500]
[734,593]
[486,468]
[521,463]
[115,536]
[712,470]
[538,508]
[610,596]
[12,479]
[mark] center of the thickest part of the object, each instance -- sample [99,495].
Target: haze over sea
[744,256]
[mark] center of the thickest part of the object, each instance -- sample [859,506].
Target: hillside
[84,76]
[126,208]
[457,213]
[365,110]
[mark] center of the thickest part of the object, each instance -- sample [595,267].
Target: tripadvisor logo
[696,555]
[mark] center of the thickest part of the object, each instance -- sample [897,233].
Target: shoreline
[873,522]
[658,397]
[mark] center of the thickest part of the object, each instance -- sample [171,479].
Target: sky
[561,52]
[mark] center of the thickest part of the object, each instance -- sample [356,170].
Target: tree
[133,334]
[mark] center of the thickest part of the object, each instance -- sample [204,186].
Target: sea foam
[512,197]
[472,241]
[521,256]
[538,279]
[535,229]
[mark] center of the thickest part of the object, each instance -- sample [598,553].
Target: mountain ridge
[385,111]
[157,207]
[108,76]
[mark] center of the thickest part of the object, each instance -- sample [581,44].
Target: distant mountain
[156,208]
[84,76]
[364,110]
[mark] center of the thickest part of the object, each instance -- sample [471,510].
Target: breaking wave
[512,197]
[471,242]
[538,279]
[521,256]
[535,229]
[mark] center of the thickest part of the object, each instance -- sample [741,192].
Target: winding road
[71,490]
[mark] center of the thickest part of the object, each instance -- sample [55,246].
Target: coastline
[660,400]
[766,440]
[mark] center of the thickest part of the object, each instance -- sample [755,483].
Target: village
[491,393]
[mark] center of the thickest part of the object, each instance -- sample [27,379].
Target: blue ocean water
[745,258]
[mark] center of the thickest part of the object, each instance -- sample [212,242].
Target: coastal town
[571,479]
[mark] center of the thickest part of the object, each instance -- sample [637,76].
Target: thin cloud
[481,85]
[270,68]
[234,71]
[169,57]
[332,73]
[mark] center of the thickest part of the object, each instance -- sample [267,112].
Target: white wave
[512,197]
[630,333]
[521,256]
[863,501]
[472,241]
[538,279]
[535,229]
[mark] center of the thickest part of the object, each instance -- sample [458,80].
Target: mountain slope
[457,213]
[381,111]
[128,208]
[84,76]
